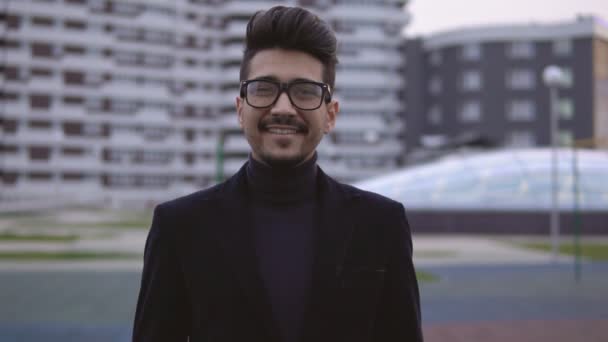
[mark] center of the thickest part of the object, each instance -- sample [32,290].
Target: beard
[282,163]
[285,161]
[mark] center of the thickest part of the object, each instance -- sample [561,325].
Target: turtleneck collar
[282,184]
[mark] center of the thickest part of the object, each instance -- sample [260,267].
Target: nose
[283,105]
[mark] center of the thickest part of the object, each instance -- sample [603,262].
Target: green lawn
[588,250]
[10,237]
[54,256]
[426,277]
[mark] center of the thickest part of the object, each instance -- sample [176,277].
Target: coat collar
[332,233]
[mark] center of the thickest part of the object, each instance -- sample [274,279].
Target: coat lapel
[333,232]
[236,239]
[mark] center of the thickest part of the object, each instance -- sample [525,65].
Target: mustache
[283,120]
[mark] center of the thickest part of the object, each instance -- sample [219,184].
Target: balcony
[379,13]
[236,144]
[392,81]
[27,137]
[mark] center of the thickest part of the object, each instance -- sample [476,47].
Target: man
[281,252]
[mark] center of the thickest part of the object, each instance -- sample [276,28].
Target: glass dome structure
[509,180]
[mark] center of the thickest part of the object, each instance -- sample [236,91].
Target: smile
[282,131]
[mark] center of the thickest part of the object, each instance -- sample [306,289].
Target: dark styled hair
[291,28]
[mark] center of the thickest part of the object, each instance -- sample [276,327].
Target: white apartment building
[129,101]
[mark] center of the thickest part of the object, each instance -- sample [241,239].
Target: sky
[431,16]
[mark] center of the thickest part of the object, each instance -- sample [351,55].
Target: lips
[282,131]
[283,125]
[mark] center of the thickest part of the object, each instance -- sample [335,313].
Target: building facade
[133,101]
[485,84]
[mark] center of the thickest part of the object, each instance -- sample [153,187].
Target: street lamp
[554,78]
[219,156]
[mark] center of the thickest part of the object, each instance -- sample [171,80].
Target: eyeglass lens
[304,95]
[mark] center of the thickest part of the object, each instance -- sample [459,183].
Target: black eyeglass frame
[284,87]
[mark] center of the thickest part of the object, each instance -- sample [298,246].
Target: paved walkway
[428,250]
[489,290]
[520,331]
[476,250]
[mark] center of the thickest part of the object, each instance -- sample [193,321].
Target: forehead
[285,65]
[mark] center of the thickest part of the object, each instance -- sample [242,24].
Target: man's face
[283,134]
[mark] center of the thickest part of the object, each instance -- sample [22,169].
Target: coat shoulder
[368,198]
[191,202]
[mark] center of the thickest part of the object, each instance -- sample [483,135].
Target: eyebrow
[275,79]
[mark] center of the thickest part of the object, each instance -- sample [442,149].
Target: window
[40,124]
[350,137]
[119,180]
[435,85]
[125,8]
[521,139]
[521,110]
[520,79]
[9,96]
[124,57]
[9,149]
[73,77]
[157,60]
[73,50]
[72,176]
[72,128]
[42,21]
[75,25]
[41,101]
[40,176]
[565,138]
[10,43]
[568,76]
[471,80]
[434,140]
[471,52]
[566,109]
[521,49]
[10,126]
[92,129]
[562,47]
[72,151]
[435,115]
[470,112]
[435,58]
[126,33]
[39,152]
[9,177]
[11,73]
[41,50]
[160,37]
[13,21]
[41,72]
[73,100]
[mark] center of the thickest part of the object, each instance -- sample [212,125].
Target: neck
[282,183]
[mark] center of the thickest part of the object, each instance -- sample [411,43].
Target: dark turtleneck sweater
[283,216]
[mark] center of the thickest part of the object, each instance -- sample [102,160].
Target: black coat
[200,274]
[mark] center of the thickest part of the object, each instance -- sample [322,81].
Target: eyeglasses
[304,95]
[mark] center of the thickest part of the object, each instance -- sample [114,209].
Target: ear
[239,110]
[332,113]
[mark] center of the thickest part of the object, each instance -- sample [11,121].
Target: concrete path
[428,250]
[475,250]
[520,331]
[540,303]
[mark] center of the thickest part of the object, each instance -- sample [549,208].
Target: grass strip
[588,250]
[56,256]
[138,224]
[11,237]
[426,277]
